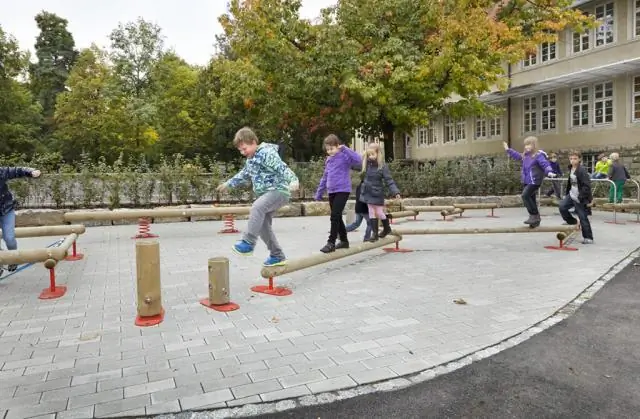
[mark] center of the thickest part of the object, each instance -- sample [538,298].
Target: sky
[189,26]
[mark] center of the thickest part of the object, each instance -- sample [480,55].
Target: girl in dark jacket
[376,175]
[7,206]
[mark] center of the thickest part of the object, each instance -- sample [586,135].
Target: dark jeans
[581,211]
[357,222]
[529,199]
[556,188]
[337,202]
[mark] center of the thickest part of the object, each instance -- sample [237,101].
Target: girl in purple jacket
[534,168]
[336,180]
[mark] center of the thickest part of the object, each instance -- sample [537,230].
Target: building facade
[581,92]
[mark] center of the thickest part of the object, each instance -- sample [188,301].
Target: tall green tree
[56,54]
[136,47]
[19,114]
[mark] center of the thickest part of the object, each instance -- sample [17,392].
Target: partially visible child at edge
[376,175]
[336,180]
[619,175]
[556,185]
[7,206]
[534,168]
[578,195]
[272,182]
[602,167]
[362,212]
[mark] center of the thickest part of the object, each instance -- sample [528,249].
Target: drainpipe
[509,106]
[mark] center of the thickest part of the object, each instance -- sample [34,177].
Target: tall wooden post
[219,292]
[150,311]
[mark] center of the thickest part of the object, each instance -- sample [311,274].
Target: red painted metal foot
[396,250]
[492,216]
[145,236]
[615,222]
[573,249]
[53,292]
[219,307]
[73,258]
[149,320]
[277,291]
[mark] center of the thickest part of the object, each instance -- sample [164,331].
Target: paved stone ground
[358,320]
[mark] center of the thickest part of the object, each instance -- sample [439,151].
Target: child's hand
[551,174]
[505,145]
[222,187]
[294,186]
[36,173]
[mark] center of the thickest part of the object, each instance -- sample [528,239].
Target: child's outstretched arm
[18,172]
[322,186]
[353,158]
[388,180]
[511,152]
[242,178]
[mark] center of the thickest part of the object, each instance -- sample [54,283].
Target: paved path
[587,366]
[359,320]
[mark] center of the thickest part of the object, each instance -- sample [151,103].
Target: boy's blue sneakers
[274,261]
[243,248]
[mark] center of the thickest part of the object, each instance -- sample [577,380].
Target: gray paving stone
[80,413]
[29,399]
[169,395]
[151,387]
[85,369]
[338,370]
[286,393]
[217,364]
[206,399]
[256,388]
[67,392]
[95,398]
[27,362]
[105,385]
[405,368]
[311,365]
[301,379]
[168,407]
[190,360]
[40,387]
[244,401]
[22,381]
[122,406]
[332,384]
[229,382]
[170,373]
[29,411]
[351,357]
[243,368]
[370,376]
[286,360]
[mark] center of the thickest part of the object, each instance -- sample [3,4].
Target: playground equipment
[270,272]
[395,217]
[219,286]
[150,311]
[484,205]
[48,231]
[450,212]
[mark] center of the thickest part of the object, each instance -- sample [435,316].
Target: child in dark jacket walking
[362,213]
[556,185]
[336,180]
[578,195]
[7,206]
[534,167]
[376,175]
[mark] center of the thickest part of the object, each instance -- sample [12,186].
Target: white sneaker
[587,241]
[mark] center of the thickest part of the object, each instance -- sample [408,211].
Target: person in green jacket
[602,167]
[619,175]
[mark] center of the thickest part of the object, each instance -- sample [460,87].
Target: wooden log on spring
[47,231]
[10,257]
[401,214]
[488,205]
[430,208]
[148,278]
[487,230]
[449,212]
[318,259]
[630,205]
[548,201]
[154,213]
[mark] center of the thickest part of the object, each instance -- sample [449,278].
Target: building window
[548,111]
[589,162]
[530,60]
[427,136]
[581,41]
[603,103]
[530,108]
[580,106]
[422,137]
[495,127]
[604,33]
[454,130]
[637,19]
[636,98]
[481,128]
[548,51]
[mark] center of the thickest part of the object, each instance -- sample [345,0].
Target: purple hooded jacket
[337,172]
[534,168]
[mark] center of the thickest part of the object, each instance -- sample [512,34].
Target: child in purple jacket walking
[534,168]
[336,180]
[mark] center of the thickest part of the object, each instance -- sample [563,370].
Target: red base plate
[229,231]
[394,250]
[145,236]
[492,216]
[73,258]
[49,294]
[567,248]
[615,222]
[219,307]
[149,320]
[277,291]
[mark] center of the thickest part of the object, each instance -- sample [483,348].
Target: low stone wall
[45,217]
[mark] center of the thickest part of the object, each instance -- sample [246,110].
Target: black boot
[529,220]
[342,244]
[386,228]
[536,221]
[328,248]
[374,230]
[12,268]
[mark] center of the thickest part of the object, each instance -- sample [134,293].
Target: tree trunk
[387,134]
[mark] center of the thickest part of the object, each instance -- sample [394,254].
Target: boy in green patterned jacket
[272,182]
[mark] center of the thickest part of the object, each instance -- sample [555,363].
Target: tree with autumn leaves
[382,66]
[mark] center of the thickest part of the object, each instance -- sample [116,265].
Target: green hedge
[178,181]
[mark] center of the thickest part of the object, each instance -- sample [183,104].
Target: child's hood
[268,146]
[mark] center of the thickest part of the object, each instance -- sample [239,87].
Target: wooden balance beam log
[429,208]
[480,205]
[48,231]
[270,272]
[629,206]
[152,213]
[486,230]
[50,257]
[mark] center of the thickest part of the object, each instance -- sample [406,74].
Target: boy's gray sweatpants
[262,212]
